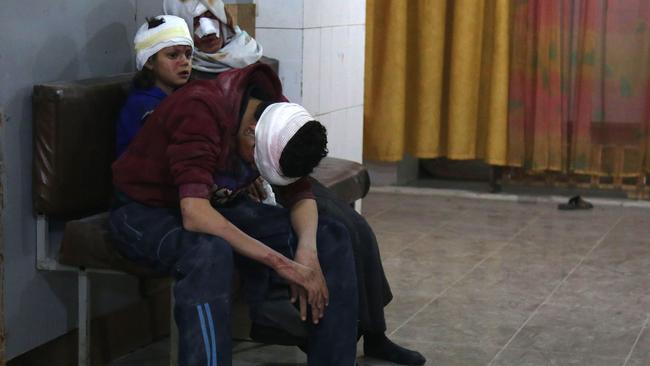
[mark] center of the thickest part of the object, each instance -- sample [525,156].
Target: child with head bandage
[163,47]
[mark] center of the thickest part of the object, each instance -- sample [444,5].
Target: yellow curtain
[436,79]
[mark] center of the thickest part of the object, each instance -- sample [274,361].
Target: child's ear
[149,64]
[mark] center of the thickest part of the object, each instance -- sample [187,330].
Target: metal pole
[84,319]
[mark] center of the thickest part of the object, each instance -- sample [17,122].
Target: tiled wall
[320,45]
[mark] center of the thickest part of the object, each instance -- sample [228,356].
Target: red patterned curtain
[579,98]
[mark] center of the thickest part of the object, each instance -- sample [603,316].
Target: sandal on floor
[575,203]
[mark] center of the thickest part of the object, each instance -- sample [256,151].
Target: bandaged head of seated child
[148,41]
[276,126]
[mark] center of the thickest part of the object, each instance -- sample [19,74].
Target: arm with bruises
[304,219]
[299,198]
[194,151]
[199,216]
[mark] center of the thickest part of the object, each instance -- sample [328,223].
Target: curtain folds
[436,79]
[580,86]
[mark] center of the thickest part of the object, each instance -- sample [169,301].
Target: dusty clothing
[374,289]
[187,148]
[202,267]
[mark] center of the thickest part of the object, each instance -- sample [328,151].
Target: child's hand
[256,190]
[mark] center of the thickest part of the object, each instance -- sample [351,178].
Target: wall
[2,266]
[43,41]
[320,45]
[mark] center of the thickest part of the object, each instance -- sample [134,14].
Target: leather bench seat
[74,136]
[87,243]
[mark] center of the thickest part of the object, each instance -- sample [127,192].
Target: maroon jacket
[190,136]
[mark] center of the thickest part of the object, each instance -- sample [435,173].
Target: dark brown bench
[73,150]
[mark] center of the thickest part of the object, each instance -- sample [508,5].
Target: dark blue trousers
[202,266]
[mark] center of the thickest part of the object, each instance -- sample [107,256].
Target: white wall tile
[326,72]
[344,133]
[328,13]
[340,51]
[312,13]
[326,61]
[283,44]
[357,12]
[279,14]
[335,134]
[286,46]
[333,12]
[291,78]
[356,66]
[354,130]
[311,70]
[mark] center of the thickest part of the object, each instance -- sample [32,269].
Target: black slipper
[575,203]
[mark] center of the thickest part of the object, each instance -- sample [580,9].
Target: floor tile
[468,273]
[511,219]
[375,203]
[402,307]
[468,320]
[625,256]
[412,274]
[578,330]
[391,243]
[637,362]
[642,348]
[558,231]
[604,287]
[510,277]
[535,357]
[539,258]
[551,249]
[444,355]
[409,217]
[598,213]
[401,224]
[465,230]
[439,244]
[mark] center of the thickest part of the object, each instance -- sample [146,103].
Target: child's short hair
[304,150]
[289,143]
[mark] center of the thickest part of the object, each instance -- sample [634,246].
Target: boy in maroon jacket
[179,212]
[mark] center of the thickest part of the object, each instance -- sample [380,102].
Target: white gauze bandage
[188,9]
[276,126]
[208,26]
[239,49]
[148,42]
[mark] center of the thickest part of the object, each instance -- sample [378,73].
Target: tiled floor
[484,282]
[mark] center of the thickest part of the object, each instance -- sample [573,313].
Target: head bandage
[238,50]
[208,26]
[188,9]
[148,42]
[276,126]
